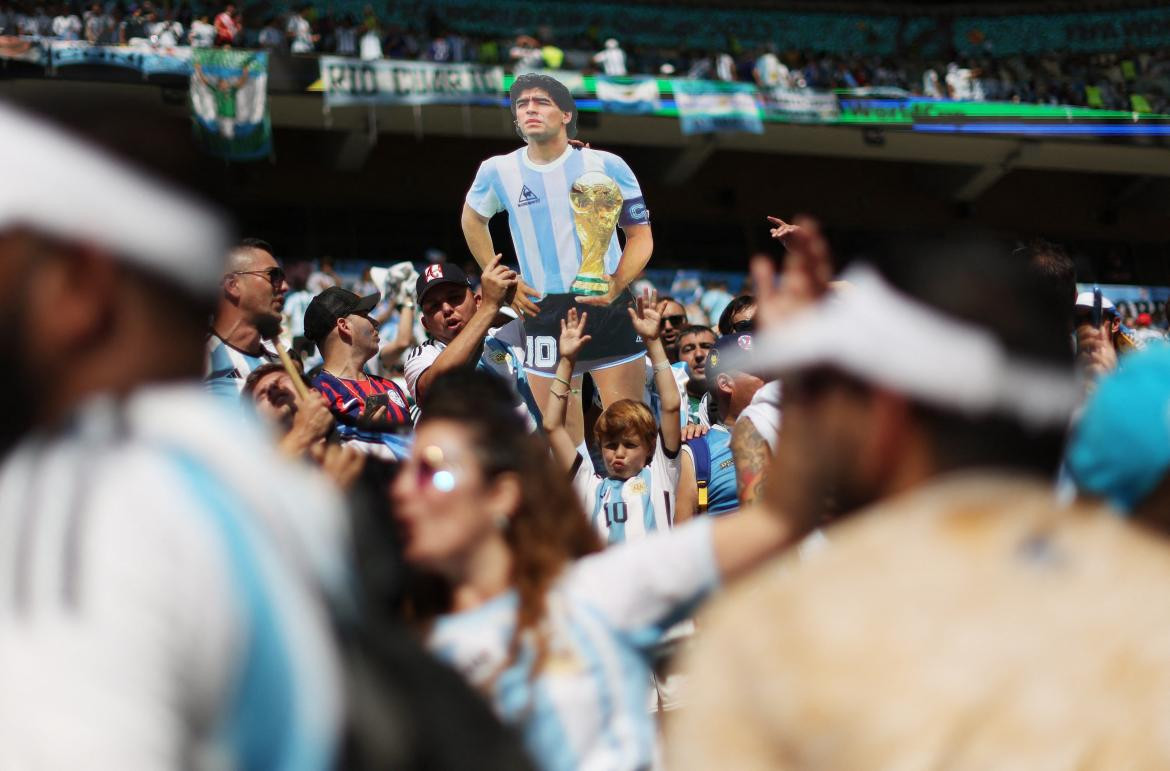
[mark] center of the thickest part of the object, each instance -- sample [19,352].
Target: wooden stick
[294,373]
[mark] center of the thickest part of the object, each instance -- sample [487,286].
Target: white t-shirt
[764,413]
[67,27]
[771,72]
[161,602]
[622,510]
[371,46]
[612,61]
[202,34]
[725,67]
[302,35]
[167,33]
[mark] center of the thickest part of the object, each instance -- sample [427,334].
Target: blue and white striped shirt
[585,710]
[227,368]
[540,216]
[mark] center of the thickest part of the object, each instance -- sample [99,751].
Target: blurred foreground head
[954,357]
[1120,449]
[108,262]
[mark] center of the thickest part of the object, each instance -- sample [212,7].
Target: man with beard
[958,617]
[251,298]
[674,320]
[162,588]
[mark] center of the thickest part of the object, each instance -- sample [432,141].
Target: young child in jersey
[634,495]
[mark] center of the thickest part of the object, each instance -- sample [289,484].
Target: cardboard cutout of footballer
[564,207]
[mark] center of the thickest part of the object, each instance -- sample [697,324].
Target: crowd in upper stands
[1137,81]
[921,501]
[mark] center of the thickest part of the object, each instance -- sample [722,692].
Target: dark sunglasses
[675,321]
[744,325]
[275,275]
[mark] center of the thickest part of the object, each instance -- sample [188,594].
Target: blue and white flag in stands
[710,106]
[628,95]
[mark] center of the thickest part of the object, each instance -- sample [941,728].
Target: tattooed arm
[752,456]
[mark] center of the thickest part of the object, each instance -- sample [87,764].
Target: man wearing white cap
[161,588]
[957,618]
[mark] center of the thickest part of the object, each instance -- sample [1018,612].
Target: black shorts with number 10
[614,339]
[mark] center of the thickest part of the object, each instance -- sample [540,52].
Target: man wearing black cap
[455,318]
[368,408]
[552,239]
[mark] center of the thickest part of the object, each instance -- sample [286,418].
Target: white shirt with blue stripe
[585,710]
[226,368]
[624,509]
[161,594]
[536,197]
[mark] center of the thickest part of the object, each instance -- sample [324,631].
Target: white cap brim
[883,337]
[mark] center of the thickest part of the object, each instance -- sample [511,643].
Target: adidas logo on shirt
[527,197]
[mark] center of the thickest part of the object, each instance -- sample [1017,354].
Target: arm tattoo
[751,454]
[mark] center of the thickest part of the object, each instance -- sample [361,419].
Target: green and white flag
[229,103]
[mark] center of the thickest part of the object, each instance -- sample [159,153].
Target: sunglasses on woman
[433,471]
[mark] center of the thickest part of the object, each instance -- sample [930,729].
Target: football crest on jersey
[394,397]
[527,197]
[637,487]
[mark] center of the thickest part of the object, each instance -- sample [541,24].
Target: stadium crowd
[1127,80]
[251,517]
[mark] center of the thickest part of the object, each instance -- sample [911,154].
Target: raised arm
[573,339]
[498,282]
[403,337]
[647,323]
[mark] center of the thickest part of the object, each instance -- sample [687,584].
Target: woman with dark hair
[534,614]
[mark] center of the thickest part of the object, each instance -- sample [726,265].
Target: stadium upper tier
[713,27]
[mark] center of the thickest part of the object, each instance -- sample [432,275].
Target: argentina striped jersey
[585,710]
[622,509]
[161,594]
[540,216]
[227,367]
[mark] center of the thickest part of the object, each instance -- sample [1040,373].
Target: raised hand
[646,316]
[573,337]
[804,280]
[313,419]
[498,283]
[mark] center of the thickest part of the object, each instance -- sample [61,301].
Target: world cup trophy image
[597,202]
